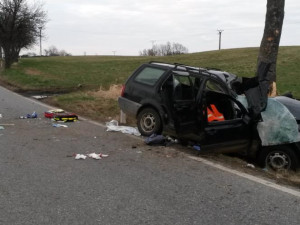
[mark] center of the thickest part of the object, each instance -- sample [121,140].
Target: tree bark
[270,42]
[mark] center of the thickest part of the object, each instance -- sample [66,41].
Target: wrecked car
[205,106]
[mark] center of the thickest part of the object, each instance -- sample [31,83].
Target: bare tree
[164,50]
[19,27]
[270,42]
[53,51]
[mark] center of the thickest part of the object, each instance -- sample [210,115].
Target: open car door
[230,128]
[183,103]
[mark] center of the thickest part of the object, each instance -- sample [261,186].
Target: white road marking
[248,176]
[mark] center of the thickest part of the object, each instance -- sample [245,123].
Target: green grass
[91,72]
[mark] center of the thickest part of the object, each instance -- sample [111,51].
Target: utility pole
[41,41]
[220,37]
[114,52]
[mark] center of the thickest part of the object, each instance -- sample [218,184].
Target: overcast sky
[128,26]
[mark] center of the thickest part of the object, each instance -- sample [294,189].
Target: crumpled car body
[175,99]
[277,126]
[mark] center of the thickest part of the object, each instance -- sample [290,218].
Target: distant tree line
[53,51]
[20,27]
[165,49]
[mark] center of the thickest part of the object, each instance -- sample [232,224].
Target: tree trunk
[271,38]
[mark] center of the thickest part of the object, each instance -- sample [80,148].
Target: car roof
[209,72]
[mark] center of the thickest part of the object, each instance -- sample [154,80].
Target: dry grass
[33,72]
[113,92]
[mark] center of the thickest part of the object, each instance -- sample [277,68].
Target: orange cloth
[213,114]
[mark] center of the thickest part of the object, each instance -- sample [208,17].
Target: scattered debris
[156,139]
[250,166]
[50,113]
[114,126]
[91,155]
[59,125]
[0,116]
[1,128]
[30,116]
[197,147]
[97,156]
[80,156]
[38,97]
[61,115]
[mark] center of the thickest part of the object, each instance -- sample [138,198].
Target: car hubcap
[148,122]
[278,160]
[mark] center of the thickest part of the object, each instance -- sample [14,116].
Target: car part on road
[149,122]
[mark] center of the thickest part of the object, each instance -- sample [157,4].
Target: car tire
[278,158]
[149,122]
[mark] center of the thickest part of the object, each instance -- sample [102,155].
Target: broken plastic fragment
[94,156]
[250,166]
[80,156]
[97,156]
[1,128]
[39,96]
[59,125]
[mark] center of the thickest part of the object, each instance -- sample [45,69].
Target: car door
[183,103]
[231,133]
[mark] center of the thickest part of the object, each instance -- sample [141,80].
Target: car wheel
[278,158]
[149,122]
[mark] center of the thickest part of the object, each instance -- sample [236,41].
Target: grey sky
[128,26]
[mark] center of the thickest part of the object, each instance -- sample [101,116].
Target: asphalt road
[136,184]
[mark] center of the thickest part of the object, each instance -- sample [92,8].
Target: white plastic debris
[59,125]
[94,156]
[91,155]
[114,126]
[0,116]
[250,166]
[97,156]
[80,156]
[39,96]
[1,128]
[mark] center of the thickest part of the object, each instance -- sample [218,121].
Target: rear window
[149,75]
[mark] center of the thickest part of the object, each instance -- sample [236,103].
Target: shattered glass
[278,126]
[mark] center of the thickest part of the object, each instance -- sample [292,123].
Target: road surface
[41,184]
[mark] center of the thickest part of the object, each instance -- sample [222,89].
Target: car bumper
[128,107]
